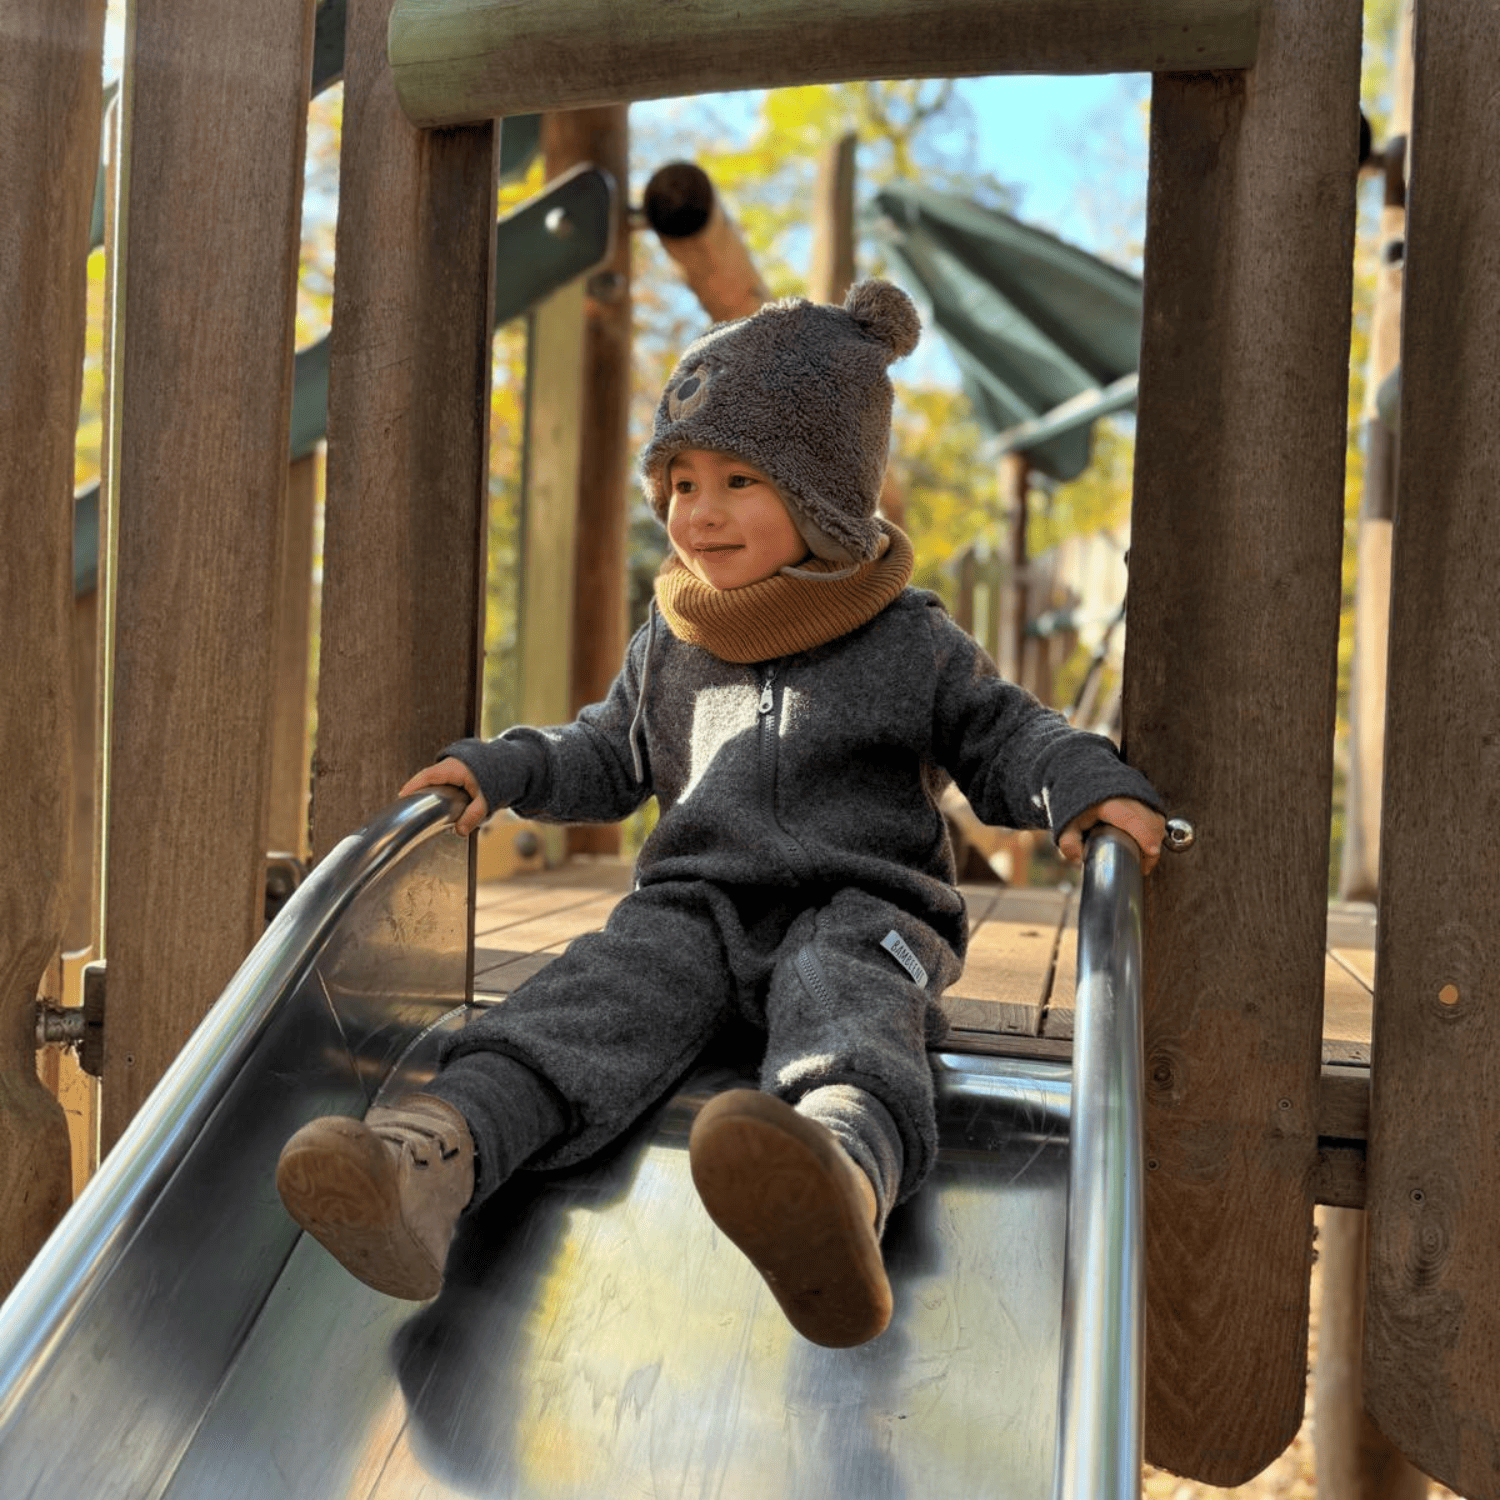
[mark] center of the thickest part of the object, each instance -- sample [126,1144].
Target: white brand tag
[895,945]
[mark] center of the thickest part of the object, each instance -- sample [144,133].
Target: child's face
[726,521]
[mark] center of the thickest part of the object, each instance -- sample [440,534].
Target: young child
[796,709]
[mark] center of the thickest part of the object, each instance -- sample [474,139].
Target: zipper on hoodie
[769,714]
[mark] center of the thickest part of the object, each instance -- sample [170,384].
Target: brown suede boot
[784,1190]
[382,1195]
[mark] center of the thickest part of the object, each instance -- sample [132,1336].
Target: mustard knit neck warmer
[788,612]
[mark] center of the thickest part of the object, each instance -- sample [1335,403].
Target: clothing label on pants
[895,945]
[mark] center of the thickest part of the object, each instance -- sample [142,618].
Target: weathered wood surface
[1432,1327]
[408,443]
[49,141]
[291,700]
[213,202]
[455,63]
[549,519]
[832,270]
[602,137]
[1229,708]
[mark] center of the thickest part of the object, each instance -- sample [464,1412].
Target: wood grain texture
[460,60]
[49,136]
[602,137]
[1229,708]
[214,126]
[408,443]
[291,701]
[1432,1328]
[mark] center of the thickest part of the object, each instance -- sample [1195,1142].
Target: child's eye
[742,481]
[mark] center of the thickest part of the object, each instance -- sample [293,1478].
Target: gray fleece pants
[578,1053]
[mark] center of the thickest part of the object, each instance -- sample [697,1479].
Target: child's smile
[727,523]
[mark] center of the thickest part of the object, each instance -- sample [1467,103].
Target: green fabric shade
[1046,336]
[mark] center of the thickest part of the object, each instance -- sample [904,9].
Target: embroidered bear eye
[688,394]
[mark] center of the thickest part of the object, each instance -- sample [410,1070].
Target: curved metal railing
[1099,1392]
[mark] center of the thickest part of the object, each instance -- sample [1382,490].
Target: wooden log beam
[408,444]
[1432,1324]
[457,61]
[49,144]
[212,202]
[689,219]
[1229,708]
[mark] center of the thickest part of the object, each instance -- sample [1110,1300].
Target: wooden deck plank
[1432,1325]
[1057,1020]
[1008,972]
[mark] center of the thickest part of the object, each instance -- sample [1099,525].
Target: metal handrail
[78,1255]
[1103,1328]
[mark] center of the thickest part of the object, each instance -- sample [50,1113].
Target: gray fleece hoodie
[821,770]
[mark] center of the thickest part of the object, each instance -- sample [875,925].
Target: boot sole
[779,1186]
[337,1181]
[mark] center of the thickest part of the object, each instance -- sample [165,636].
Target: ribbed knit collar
[790,612]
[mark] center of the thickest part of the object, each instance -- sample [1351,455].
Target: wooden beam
[408,451]
[49,146]
[1229,708]
[1433,1313]
[211,220]
[696,231]
[459,62]
[602,137]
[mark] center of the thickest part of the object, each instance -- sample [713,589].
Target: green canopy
[1046,336]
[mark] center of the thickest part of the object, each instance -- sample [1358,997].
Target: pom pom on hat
[798,389]
[886,312]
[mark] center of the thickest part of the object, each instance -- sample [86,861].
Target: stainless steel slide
[597,1339]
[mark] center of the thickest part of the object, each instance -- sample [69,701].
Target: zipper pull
[767,701]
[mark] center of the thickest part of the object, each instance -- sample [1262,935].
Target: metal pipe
[1099,1394]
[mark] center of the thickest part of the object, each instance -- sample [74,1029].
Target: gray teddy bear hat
[798,389]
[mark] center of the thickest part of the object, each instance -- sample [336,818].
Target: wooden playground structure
[1229,696]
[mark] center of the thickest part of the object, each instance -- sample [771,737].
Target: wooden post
[832,272]
[549,524]
[211,204]
[600,136]
[1015,491]
[49,147]
[1359,868]
[408,454]
[1432,1322]
[485,58]
[286,821]
[683,209]
[1229,708]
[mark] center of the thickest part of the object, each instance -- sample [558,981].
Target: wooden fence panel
[49,142]
[1229,707]
[214,125]
[408,450]
[1432,1329]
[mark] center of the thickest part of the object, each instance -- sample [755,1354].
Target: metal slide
[177,1337]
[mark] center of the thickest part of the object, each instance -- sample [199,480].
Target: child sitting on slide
[796,709]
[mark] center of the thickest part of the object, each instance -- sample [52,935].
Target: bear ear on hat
[887,313]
